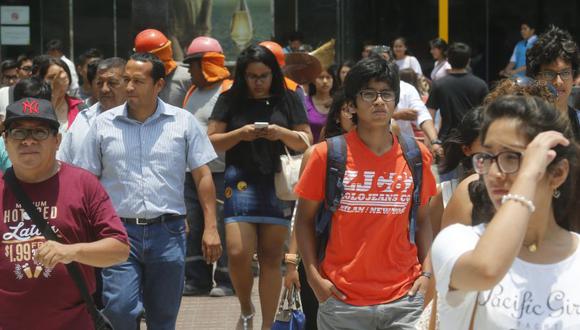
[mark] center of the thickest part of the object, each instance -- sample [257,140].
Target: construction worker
[209,77]
[177,79]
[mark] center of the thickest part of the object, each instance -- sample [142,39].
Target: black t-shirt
[259,156]
[455,95]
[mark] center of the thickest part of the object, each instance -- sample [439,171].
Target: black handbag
[99,319]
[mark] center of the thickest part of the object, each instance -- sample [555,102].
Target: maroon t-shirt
[32,296]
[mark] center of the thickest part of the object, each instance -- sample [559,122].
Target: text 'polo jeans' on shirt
[157,252]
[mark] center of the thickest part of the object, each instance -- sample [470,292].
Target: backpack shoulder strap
[334,190]
[414,159]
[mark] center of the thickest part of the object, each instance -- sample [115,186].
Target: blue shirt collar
[162,110]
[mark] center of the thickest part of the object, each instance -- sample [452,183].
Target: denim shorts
[251,197]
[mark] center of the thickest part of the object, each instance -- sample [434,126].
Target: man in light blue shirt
[517,64]
[111,94]
[140,151]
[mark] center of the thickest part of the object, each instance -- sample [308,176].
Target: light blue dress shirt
[141,165]
[73,139]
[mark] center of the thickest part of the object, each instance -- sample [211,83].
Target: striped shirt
[73,139]
[141,165]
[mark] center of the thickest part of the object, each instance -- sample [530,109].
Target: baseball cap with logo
[31,109]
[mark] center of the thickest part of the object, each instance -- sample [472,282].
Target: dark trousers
[197,272]
[309,301]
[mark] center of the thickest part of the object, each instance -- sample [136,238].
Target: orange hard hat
[149,40]
[277,50]
[201,45]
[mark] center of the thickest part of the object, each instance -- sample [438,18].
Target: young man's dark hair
[551,45]
[32,87]
[92,71]
[89,54]
[158,70]
[23,58]
[296,36]
[55,45]
[532,25]
[8,64]
[371,68]
[375,68]
[458,55]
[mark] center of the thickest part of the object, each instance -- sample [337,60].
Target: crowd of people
[423,201]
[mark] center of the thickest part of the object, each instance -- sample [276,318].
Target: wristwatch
[436,141]
[427,274]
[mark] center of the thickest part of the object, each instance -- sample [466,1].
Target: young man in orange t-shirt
[372,276]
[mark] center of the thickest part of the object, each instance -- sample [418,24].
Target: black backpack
[334,188]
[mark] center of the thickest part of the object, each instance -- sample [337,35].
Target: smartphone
[260,125]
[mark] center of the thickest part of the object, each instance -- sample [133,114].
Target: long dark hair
[239,92]
[536,116]
[464,135]
[333,127]
[50,61]
[330,71]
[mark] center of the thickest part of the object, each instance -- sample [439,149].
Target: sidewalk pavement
[210,313]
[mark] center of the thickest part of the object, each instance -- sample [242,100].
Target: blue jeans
[152,277]
[197,272]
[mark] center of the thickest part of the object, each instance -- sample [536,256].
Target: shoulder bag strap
[334,190]
[414,159]
[49,234]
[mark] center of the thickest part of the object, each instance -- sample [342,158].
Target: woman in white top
[403,59]
[438,49]
[519,271]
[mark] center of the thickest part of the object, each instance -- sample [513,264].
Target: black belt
[146,222]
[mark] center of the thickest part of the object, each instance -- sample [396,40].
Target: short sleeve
[416,66]
[451,243]
[413,101]
[312,181]
[105,222]
[513,57]
[296,109]
[221,110]
[200,150]
[428,186]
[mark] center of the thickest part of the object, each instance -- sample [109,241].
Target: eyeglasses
[8,77]
[38,133]
[507,162]
[551,75]
[371,95]
[529,82]
[26,68]
[262,77]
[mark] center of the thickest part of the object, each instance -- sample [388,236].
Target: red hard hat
[277,50]
[202,45]
[149,40]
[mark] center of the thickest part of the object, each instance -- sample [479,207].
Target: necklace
[532,247]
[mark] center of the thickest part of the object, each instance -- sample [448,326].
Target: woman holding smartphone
[252,122]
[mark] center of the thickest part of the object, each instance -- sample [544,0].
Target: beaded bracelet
[291,258]
[520,199]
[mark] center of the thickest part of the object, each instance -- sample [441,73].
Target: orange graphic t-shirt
[369,257]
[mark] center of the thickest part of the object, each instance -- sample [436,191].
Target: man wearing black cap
[36,290]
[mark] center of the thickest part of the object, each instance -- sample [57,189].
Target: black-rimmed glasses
[38,133]
[371,95]
[507,162]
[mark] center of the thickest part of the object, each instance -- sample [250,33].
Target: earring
[556,194]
